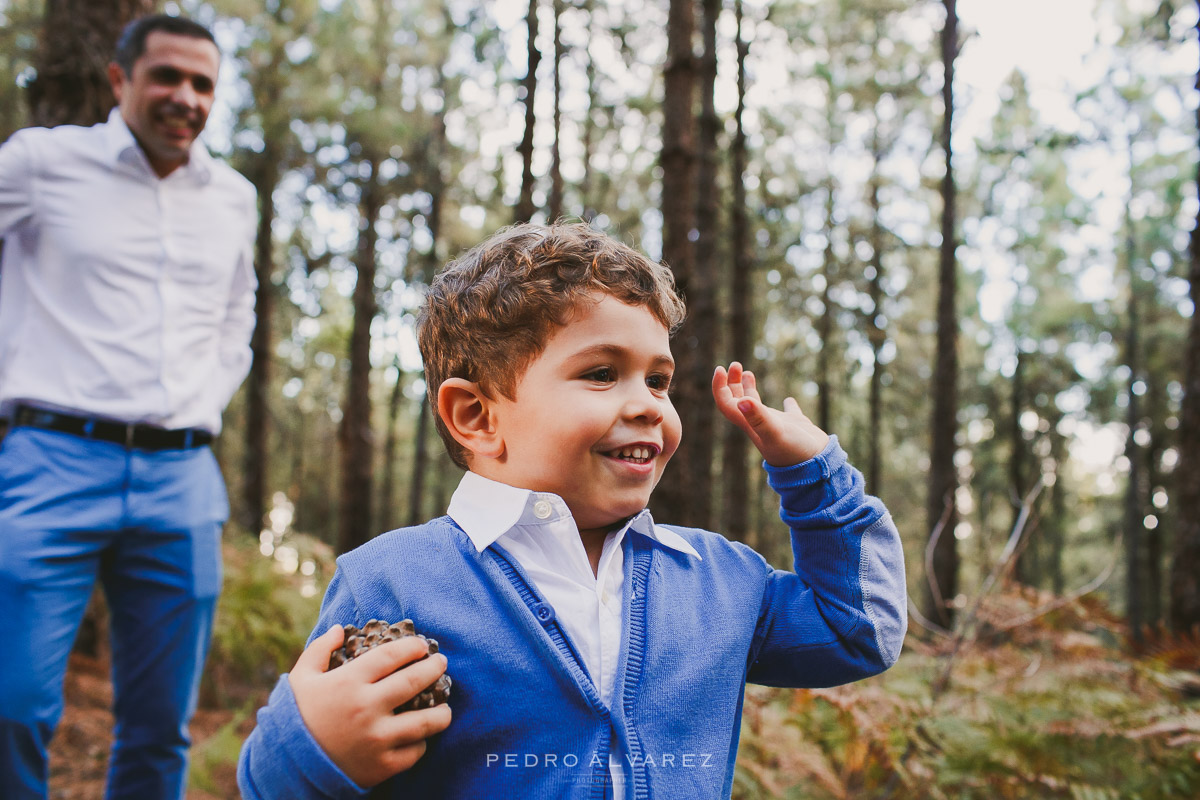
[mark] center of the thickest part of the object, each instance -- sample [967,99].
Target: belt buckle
[129,431]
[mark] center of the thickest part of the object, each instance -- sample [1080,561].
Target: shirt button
[541,509]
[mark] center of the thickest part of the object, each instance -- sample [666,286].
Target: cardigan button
[544,612]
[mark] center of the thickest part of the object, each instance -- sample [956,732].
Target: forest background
[988,294]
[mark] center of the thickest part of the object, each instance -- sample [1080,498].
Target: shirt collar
[122,148]
[486,510]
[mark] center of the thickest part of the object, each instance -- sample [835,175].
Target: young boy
[595,653]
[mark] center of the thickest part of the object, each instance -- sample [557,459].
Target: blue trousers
[148,526]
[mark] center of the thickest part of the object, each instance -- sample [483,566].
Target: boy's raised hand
[349,710]
[784,437]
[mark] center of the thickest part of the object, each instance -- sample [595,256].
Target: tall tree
[698,351]
[387,515]
[941,514]
[1185,565]
[356,437]
[267,151]
[525,207]
[674,498]
[78,37]
[1133,528]
[735,450]
[554,207]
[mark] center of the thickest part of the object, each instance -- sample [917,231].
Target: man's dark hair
[132,43]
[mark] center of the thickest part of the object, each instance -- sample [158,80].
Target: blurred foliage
[1051,708]
[264,616]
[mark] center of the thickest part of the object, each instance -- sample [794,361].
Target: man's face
[165,102]
[591,420]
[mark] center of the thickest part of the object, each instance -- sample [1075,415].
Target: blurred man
[126,308]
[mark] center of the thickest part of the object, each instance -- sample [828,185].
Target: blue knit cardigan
[528,721]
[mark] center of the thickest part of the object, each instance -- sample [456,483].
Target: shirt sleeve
[16,183]
[281,759]
[842,614]
[238,326]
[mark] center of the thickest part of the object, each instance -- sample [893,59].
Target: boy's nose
[643,404]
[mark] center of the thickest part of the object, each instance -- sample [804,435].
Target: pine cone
[377,632]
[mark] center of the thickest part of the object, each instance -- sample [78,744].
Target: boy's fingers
[402,686]
[417,726]
[382,661]
[752,412]
[790,404]
[315,657]
[750,385]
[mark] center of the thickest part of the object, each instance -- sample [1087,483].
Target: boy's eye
[602,375]
[659,383]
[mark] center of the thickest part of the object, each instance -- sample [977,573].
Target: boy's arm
[841,615]
[332,733]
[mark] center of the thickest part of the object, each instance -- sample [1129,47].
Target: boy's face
[590,420]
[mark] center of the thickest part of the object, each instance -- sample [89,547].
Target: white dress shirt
[537,529]
[122,295]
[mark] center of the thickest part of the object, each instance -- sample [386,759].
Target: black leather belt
[134,436]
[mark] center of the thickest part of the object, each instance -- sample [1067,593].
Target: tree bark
[355,434]
[1134,487]
[1185,564]
[875,331]
[258,381]
[735,452]
[672,500]
[1017,486]
[76,45]
[586,200]
[943,480]
[554,208]
[524,210]
[388,515]
[697,352]
[420,464]
[825,321]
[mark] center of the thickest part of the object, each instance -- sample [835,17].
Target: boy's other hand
[349,710]
[784,437]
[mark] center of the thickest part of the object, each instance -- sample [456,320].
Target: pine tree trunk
[525,208]
[1017,487]
[388,515]
[1134,487]
[1185,564]
[554,207]
[672,501]
[1154,536]
[696,348]
[258,381]
[875,331]
[825,321]
[355,435]
[76,45]
[587,202]
[940,508]
[420,468]
[735,452]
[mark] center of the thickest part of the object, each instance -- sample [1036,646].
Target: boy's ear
[466,411]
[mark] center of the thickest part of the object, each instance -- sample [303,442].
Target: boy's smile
[591,420]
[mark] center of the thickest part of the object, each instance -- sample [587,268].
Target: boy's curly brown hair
[491,312]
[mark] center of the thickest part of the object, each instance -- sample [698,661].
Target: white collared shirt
[122,294]
[537,529]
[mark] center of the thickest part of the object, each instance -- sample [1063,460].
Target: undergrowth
[1054,708]
[263,618]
